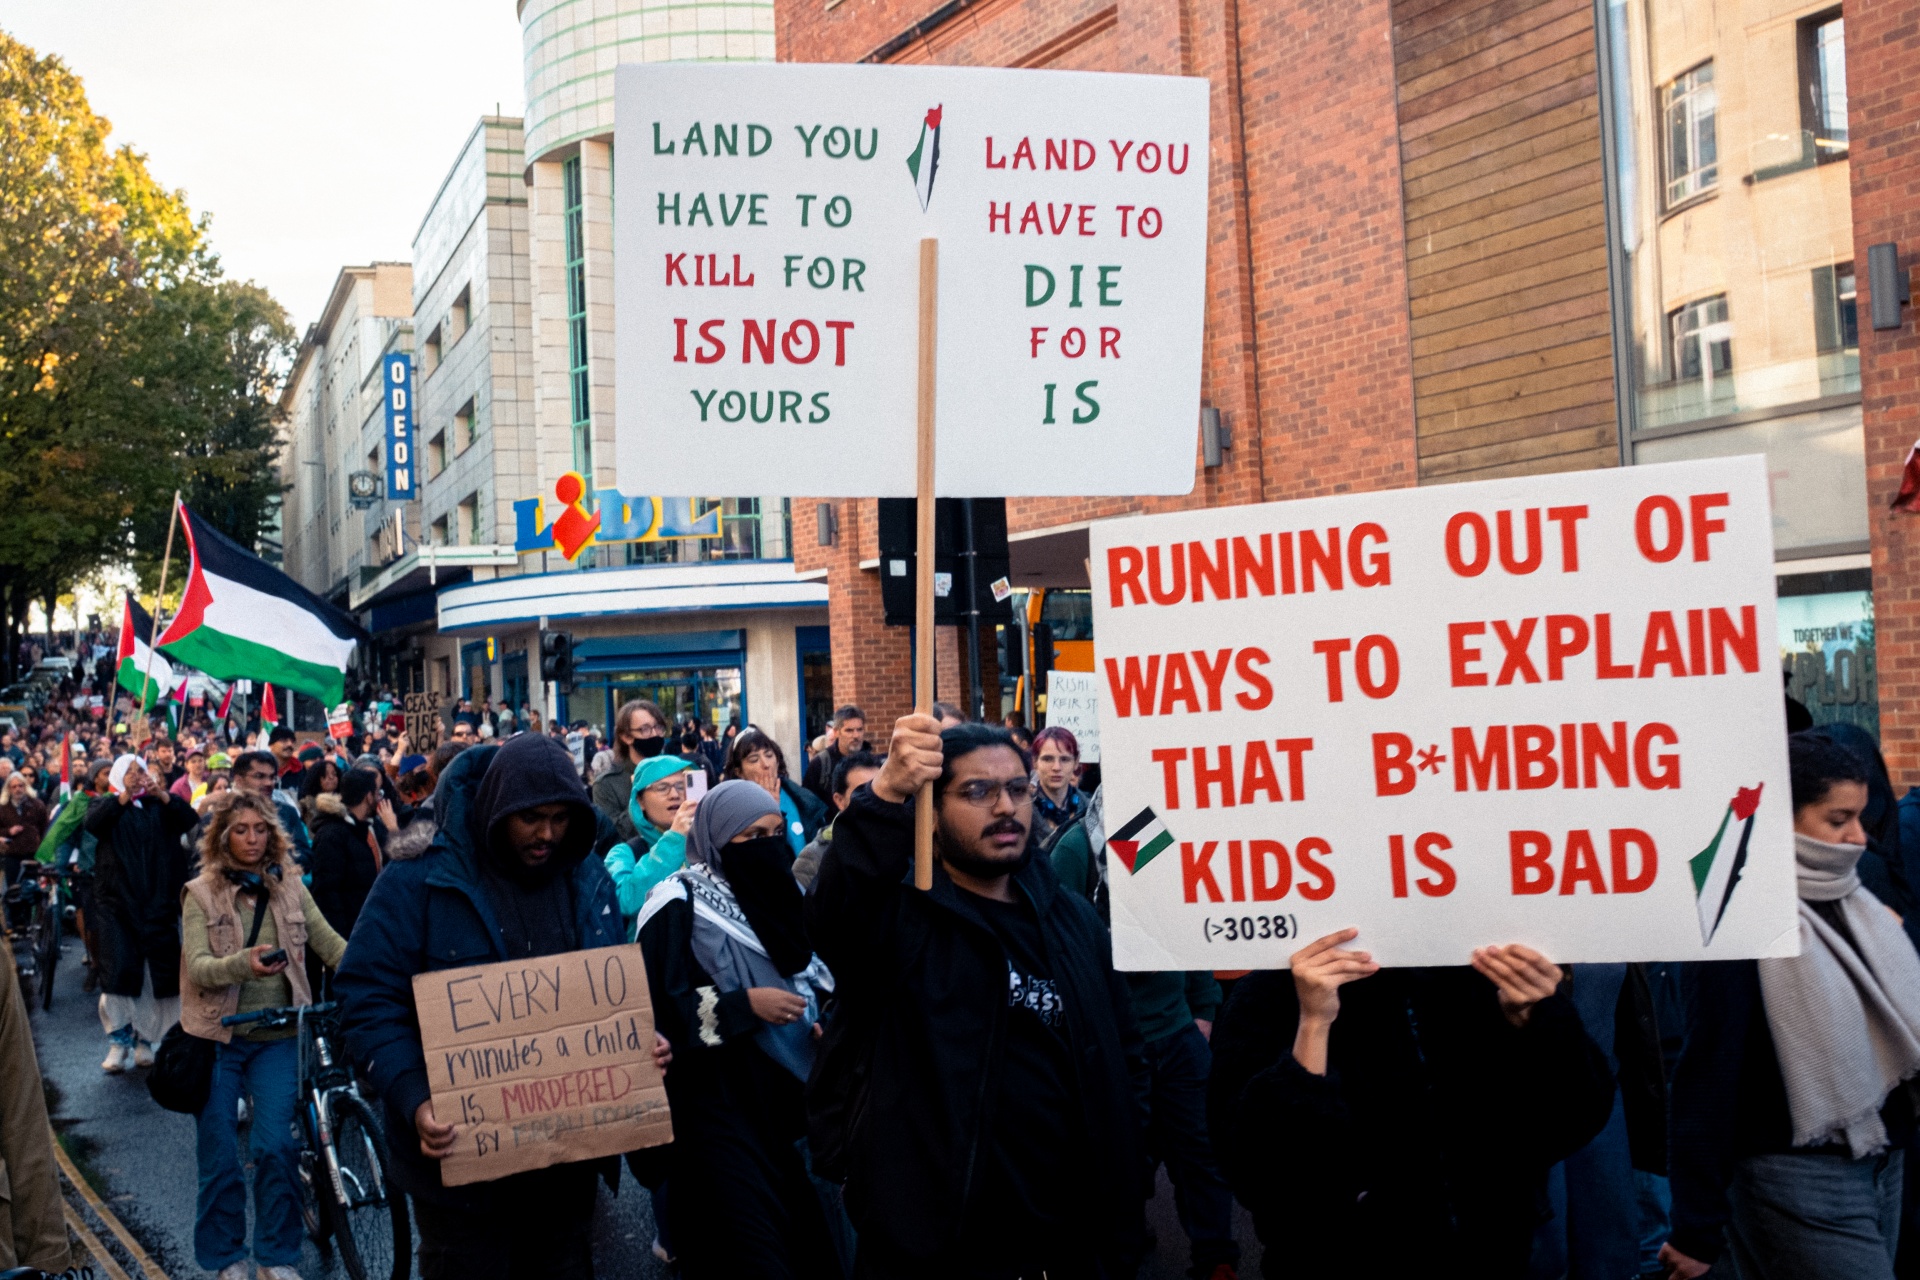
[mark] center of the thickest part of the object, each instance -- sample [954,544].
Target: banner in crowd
[542,1061]
[1073,704]
[1545,710]
[767,281]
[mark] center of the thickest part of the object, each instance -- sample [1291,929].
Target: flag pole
[923,648]
[159,602]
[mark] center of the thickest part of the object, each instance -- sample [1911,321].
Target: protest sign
[422,712]
[1073,704]
[542,1061]
[768,282]
[1544,710]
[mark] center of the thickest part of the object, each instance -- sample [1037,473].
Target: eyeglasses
[667,790]
[985,795]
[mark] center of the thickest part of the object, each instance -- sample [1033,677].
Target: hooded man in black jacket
[982,1088]
[508,876]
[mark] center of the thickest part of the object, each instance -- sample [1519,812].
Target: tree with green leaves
[129,365]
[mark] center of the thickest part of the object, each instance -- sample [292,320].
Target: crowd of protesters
[872,1081]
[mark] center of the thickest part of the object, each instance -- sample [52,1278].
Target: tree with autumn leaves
[130,366]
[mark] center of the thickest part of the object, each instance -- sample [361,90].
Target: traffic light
[556,658]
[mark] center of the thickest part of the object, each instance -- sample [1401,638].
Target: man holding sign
[510,877]
[982,1090]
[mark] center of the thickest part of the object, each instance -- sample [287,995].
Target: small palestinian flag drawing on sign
[1142,840]
[1716,872]
[925,160]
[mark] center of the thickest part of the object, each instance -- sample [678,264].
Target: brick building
[1461,239]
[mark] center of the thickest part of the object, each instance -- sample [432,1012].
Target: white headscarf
[117,777]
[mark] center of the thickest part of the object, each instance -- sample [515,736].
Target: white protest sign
[1543,710]
[767,277]
[1073,704]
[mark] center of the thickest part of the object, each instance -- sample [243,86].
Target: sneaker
[660,1252]
[279,1273]
[117,1059]
[235,1271]
[142,1054]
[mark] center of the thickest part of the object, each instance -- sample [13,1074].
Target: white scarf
[1845,1019]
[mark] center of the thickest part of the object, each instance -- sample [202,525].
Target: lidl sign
[614,517]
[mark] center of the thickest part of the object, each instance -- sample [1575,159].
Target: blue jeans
[1177,1134]
[1810,1215]
[268,1071]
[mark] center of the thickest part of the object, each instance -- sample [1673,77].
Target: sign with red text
[767,280]
[1543,710]
[541,1061]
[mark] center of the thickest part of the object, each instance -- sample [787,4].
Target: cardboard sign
[1073,704]
[422,713]
[1544,710]
[542,1061]
[766,282]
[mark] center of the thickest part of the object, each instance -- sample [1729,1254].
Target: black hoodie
[536,906]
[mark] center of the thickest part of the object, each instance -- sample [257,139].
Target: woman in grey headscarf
[1791,1101]
[736,983]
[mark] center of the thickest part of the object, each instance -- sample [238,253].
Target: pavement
[138,1163]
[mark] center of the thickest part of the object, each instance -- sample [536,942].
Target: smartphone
[696,783]
[276,956]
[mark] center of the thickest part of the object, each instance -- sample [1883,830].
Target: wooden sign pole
[923,648]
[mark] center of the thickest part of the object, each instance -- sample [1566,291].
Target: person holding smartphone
[248,922]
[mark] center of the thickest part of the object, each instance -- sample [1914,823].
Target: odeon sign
[615,518]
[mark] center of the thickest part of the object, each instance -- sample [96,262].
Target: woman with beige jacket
[248,902]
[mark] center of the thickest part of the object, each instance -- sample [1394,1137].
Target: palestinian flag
[269,710]
[240,616]
[1143,839]
[1908,499]
[925,160]
[1716,872]
[177,706]
[136,637]
[226,703]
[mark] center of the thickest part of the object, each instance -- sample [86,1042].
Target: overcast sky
[314,133]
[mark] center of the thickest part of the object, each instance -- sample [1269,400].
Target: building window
[1701,341]
[438,534]
[467,520]
[436,455]
[1693,158]
[1836,330]
[1823,84]
[578,378]
[464,432]
[460,319]
[430,352]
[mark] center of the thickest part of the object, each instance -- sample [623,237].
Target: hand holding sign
[539,1061]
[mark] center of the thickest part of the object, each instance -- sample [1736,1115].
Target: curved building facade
[572,47]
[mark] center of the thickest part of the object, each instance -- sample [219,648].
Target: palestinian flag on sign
[1143,839]
[135,653]
[1716,872]
[925,160]
[240,616]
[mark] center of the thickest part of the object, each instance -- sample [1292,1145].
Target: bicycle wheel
[374,1231]
[46,952]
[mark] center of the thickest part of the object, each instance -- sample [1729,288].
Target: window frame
[1699,180]
[579,376]
[1703,334]
[1824,145]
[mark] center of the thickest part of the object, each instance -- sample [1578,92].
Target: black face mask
[646,748]
[761,873]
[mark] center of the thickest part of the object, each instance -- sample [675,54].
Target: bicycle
[346,1194]
[36,909]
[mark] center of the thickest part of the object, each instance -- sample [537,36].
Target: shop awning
[630,589]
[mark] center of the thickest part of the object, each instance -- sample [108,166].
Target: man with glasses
[256,771]
[639,733]
[982,1035]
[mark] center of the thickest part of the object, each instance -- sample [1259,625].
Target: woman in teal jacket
[662,815]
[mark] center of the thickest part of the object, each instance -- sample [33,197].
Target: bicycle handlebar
[282,1014]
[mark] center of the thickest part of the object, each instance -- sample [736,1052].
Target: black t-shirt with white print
[1029,1160]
